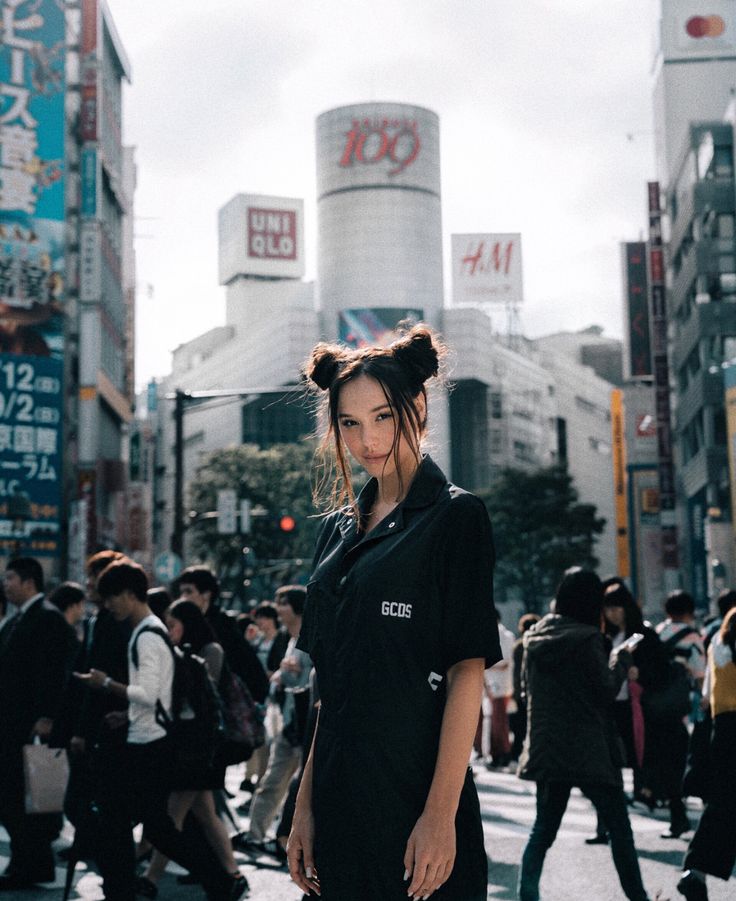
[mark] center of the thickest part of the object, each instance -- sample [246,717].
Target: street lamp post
[182,399]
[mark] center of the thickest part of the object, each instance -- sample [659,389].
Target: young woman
[193,790]
[400,624]
[713,847]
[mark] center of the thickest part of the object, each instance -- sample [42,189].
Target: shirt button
[391,525]
[343,580]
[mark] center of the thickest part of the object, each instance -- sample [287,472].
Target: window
[496,405]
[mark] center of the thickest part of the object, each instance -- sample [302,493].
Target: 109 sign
[394,141]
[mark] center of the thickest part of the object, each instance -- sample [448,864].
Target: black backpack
[670,700]
[195,726]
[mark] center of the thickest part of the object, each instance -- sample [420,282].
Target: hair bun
[418,351]
[324,364]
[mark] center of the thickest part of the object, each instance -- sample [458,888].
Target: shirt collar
[426,485]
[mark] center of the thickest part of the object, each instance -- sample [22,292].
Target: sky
[545,122]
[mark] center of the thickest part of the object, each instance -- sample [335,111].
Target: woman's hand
[300,851]
[430,854]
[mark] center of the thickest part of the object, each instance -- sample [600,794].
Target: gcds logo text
[394,608]
[374,140]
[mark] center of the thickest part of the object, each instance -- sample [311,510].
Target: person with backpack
[193,789]
[571,686]
[150,746]
[666,707]
[201,586]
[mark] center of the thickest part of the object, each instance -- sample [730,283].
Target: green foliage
[540,530]
[278,481]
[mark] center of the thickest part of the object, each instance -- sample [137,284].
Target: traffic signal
[287,523]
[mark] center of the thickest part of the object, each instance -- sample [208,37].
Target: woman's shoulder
[460,505]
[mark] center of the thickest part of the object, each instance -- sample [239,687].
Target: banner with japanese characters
[32,277]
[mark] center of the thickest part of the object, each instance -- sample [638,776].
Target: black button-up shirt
[390,611]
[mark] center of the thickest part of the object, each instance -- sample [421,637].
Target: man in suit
[34,645]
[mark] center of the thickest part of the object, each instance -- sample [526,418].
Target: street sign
[167,566]
[227,503]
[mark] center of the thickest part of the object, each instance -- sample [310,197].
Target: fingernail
[406,875]
[309,872]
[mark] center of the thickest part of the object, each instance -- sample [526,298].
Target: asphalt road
[573,871]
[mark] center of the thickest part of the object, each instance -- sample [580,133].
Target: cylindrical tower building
[380,229]
[380,221]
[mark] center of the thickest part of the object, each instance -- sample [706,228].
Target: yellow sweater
[722,672]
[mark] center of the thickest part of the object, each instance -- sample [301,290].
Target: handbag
[46,774]
[244,730]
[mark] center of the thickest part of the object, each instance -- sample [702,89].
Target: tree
[540,530]
[278,482]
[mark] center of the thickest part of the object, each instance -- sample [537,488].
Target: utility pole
[181,400]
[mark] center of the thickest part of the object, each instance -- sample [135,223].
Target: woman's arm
[300,846]
[430,851]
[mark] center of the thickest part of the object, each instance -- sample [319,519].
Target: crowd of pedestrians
[579,694]
[96,670]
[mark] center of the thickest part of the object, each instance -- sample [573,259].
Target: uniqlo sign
[271,234]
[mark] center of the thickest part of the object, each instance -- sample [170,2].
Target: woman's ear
[421,404]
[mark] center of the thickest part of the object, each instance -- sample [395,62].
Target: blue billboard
[32,276]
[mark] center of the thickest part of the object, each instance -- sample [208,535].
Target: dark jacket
[240,656]
[34,662]
[105,649]
[570,690]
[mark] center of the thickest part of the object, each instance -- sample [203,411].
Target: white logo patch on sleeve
[434,680]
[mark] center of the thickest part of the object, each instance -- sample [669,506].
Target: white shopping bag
[46,772]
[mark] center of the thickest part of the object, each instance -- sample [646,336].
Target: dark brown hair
[401,369]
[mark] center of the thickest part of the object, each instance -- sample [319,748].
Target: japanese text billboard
[32,61]
[375,326]
[487,269]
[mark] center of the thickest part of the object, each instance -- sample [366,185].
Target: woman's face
[367,426]
[615,616]
[175,627]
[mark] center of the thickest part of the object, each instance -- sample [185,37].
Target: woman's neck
[394,488]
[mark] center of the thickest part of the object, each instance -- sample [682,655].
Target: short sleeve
[470,625]
[308,632]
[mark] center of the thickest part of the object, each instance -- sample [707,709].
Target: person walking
[201,586]
[192,788]
[679,635]
[400,623]
[36,648]
[123,587]
[499,683]
[285,755]
[571,738]
[713,847]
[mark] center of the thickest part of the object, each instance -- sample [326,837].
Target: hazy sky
[545,118]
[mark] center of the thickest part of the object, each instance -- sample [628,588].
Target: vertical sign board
[637,310]
[32,291]
[623,565]
[667,500]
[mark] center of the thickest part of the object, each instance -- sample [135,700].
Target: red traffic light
[287,523]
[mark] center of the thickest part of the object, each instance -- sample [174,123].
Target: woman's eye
[382,416]
[347,423]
